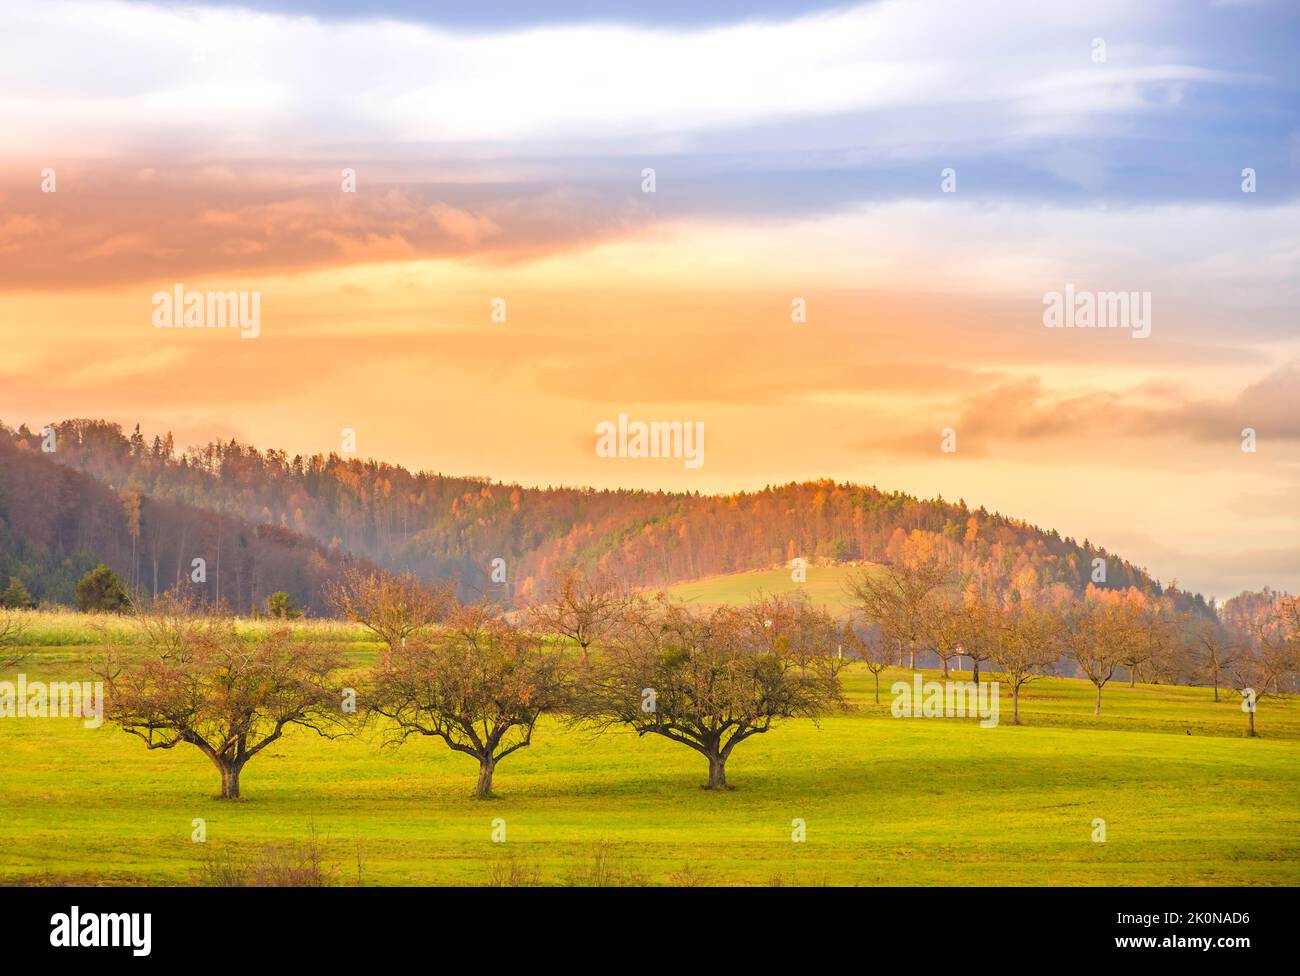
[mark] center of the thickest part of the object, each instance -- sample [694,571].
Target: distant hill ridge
[444,527]
[58,523]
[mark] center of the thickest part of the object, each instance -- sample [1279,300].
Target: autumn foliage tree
[440,527]
[712,680]
[195,681]
[479,684]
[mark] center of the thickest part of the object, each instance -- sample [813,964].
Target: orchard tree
[1260,672]
[1025,645]
[944,631]
[172,624]
[1161,626]
[786,624]
[1214,649]
[479,684]
[978,627]
[901,598]
[11,632]
[873,647]
[230,698]
[711,681]
[1142,633]
[579,608]
[1270,664]
[393,608]
[1094,635]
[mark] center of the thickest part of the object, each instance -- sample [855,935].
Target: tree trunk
[229,780]
[876,675]
[1015,704]
[1216,687]
[911,655]
[945,666]
[485,770]
[1251,733]
[717,773]
[975,670]
[1097,709]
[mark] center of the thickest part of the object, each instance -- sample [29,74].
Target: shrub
[101,591]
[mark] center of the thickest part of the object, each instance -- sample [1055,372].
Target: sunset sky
[797,151]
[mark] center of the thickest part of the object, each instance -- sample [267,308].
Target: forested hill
[58,523]
[452,527]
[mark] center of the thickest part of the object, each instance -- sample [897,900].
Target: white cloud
[114,76]
[1238,255]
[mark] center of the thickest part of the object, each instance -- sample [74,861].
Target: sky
[918,177]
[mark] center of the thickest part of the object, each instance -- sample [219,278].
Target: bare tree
[173,623]
[393,608]
[1160,635]
[1260,672]
[12,627]
[901,597]
[1025,646]
[873,647]
[786,623]
[978,624]
[1145,632]
[579,608]
[944,631]
[228,697]
[1215,650]
[711,681]
[1094,635]
[1269,665]
[480,685]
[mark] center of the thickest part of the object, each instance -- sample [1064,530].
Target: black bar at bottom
[338,926]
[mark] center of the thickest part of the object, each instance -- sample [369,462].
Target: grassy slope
[825,586]
[886,801]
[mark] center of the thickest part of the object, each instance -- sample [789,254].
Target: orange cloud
[106,227]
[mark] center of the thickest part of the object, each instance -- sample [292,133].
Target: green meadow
[824,585]
[1186,799]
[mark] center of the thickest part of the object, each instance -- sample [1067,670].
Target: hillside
[56,523]
[444,527]
[825,586]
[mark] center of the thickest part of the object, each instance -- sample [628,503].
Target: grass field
[885,800]
[825,586]
[67,628]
